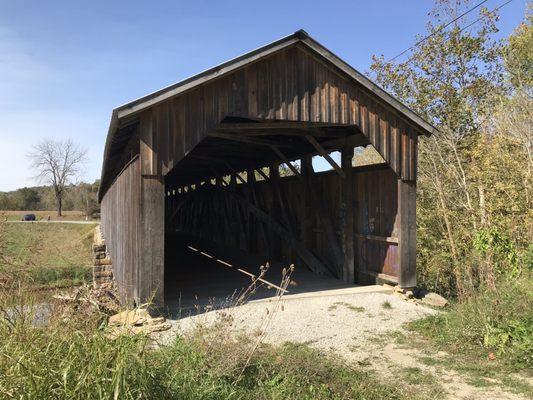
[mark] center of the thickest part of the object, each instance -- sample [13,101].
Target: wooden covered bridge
[201,160]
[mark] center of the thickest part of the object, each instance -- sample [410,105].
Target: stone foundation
[102,265]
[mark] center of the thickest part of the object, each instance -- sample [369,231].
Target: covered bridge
[199,162]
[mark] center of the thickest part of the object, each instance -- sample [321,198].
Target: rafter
[260,172]
[286,160]
[325,154]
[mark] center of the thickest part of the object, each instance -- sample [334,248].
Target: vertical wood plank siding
[120,226]
[210,214]
[292,85]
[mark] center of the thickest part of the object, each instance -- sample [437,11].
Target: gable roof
[301,37]
[227,67]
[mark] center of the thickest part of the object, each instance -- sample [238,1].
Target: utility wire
[479,19]
[438,30]
[460,30]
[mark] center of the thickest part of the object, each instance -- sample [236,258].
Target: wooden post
[407,233]
[276,212]
[151,237]
[306,166]
[151,278]
[347,215]
[252,227]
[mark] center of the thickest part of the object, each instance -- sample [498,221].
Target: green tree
[29,198]
[456,78]
[519,54]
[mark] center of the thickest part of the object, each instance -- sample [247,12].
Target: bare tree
[57,163]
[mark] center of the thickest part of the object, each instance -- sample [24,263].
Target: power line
[438,30]
[479,19]
[460,30]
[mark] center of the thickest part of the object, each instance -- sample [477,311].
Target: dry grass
[43,215]
[45,255]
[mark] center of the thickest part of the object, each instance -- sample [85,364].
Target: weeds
[349,306]
[73,358]
[490,323]
[386,305]
[45,256]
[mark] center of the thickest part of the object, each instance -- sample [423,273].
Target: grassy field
[45,255]
[43,215]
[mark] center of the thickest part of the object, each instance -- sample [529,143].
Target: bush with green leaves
[498,321]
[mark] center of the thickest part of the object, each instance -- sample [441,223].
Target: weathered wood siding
[355,217]
[121,228]
[293,85]
[211,214]
[377,223]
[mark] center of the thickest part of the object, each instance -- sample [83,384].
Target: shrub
[489,320]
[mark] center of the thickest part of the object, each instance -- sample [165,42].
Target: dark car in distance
[28,217]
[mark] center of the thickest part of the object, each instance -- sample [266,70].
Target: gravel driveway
[340,322]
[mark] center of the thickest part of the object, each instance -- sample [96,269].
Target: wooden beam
[346,219]
[286,132]
[247,140]
[348,141]
[234,173]
[260,172]
[285,160]
[305,254]
[385,239]
[283,125]
[308,217]
[407,233]
[275,210]
[152,241]
[325,154]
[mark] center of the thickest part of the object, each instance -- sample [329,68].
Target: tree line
[77,197]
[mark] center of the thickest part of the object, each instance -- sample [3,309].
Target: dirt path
[357,327]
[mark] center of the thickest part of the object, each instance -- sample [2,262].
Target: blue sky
[64,65]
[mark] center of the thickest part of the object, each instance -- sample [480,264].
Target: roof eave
[368,84]
[113,124]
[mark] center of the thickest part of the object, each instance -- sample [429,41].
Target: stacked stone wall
[102,264]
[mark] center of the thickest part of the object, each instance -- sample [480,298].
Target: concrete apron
[332,292]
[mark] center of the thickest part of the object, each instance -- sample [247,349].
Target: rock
[165,326]
[156,320]
[128,317]
[99,247]
[409,294]
[135,322]
[103,274]
[434,299]
[102,261]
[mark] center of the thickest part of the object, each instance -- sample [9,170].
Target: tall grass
[73,358]
[45,256]
[498,321]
